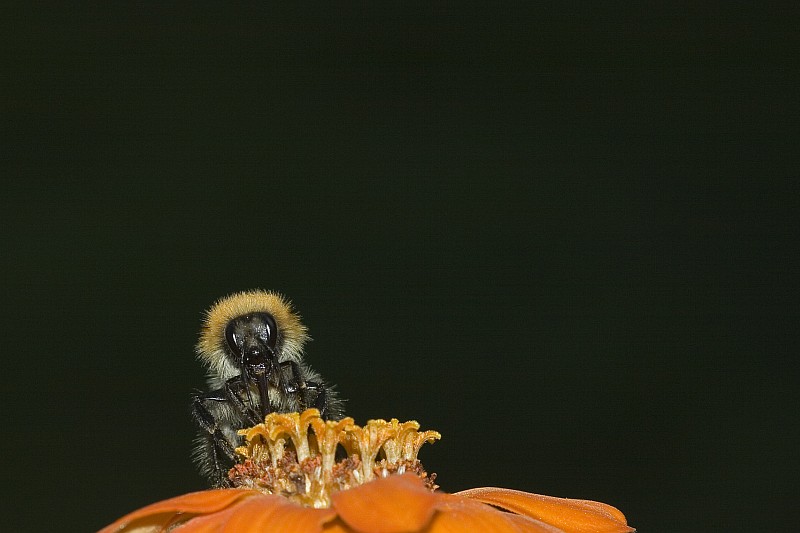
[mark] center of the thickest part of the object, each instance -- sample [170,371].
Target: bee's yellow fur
[211,346]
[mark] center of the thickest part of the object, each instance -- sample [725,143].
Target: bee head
[251,338]
[250,330]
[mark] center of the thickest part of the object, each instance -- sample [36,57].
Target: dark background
[562,237]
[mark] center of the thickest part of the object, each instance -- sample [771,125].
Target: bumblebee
[252,346]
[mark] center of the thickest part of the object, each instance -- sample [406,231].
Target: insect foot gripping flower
[292,477]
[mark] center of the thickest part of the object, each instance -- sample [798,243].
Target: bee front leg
[297,385]
[321,401]
[217,447]
[234,389]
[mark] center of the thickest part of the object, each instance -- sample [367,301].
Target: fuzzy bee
[252,345]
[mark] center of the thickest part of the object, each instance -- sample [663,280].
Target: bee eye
[269,333]
[232,339]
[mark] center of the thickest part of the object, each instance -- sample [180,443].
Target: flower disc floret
[295,455]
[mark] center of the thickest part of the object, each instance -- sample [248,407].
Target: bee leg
[219,471]
[206,421]
[218,449]
[233,389]
[291,383]
[321,401]
[296,385]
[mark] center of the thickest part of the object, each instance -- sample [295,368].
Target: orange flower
[288,481]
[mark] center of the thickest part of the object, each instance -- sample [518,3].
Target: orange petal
[262,513]
[389,505]
[337,526]
[158,516]
[569,515]
[462,515]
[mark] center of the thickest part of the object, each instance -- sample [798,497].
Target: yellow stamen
[294,455]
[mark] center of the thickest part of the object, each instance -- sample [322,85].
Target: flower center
[306,459]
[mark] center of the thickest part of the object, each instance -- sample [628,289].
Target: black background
[560,236]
